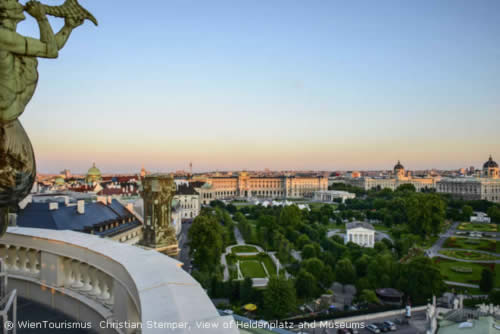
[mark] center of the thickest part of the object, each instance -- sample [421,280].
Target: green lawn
[244,249]
[271,268]
[316,206]
[478,227]
[252,268]
[446,268]
[381,227]
[468,255]
[473,244]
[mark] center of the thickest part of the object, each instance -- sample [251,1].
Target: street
[184,246]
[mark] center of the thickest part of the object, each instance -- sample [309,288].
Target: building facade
[189,201]
[398,178]
[486,187]
[360,233]
[331,195]
[244,185]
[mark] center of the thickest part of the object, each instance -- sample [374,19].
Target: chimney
[66,200]
[80,207]
[53,206]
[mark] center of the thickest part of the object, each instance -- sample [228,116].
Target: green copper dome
[94,171]
[59,181]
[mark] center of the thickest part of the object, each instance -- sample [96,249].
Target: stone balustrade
[102,281]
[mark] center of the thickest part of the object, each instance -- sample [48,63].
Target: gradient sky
[274,84]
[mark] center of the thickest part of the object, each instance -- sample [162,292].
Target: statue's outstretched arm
[46,47]
[25,46]
[37,10]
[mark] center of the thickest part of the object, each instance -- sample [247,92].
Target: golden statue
[18,80]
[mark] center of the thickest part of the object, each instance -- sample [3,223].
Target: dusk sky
[250,84]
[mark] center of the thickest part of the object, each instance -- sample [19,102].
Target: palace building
[398,178]
[485,187]
[245,185]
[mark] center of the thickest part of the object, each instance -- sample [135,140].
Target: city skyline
[327,85]
[188,168]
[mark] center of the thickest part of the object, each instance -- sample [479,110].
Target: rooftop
[38,215]
[359,224]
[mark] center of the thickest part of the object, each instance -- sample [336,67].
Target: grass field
[316,206]
[478,227]
[473,244]
[252,268]
[381,227]
[469,255]
[244,249]
[473,277]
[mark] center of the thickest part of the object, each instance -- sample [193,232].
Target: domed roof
[490,163]
[398,166]
[94,171]
[59,180]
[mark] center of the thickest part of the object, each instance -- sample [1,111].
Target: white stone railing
[77,276]
[98,280]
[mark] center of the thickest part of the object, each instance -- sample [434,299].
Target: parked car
[390,324]
[347,331]
[382,327]
[372,328]
[402,321]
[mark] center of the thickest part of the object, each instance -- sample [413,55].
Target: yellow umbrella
[250,307]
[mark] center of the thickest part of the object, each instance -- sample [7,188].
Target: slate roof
[359,224]
[38,215]
[184,189]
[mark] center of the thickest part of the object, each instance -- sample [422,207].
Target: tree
[494,213]
[487,280]
[368,296]
[494,297]
[306,284]
[467,212]
[279,298]
[206,244]
[406,187]
[426,213]
[290,216]
[345,272]
[314,266]
[420,279]
[302,241]
[308,252]
[246,290]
